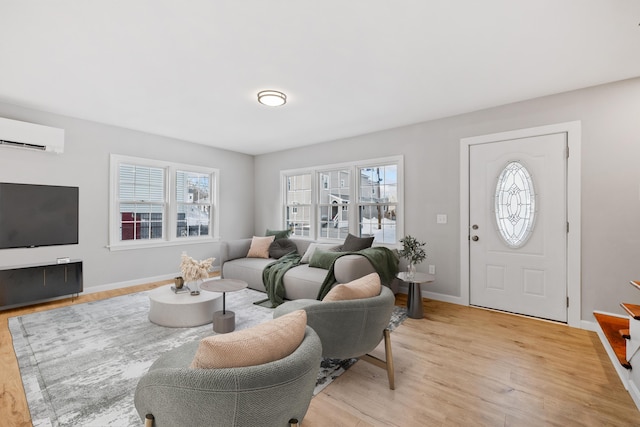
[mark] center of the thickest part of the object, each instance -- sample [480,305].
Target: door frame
[574,141]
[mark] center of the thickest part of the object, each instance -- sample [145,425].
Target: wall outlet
[441,218]
[432,269]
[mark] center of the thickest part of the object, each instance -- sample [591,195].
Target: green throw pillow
[354,243]
[323,259]
[280,234]
[281,247]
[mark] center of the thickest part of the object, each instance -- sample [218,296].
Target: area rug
[80,364]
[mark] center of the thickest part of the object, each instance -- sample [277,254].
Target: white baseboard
[589,325]
[129,283]
[433,295]
[442,297]
[635,393]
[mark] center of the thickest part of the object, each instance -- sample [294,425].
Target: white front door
[518,226]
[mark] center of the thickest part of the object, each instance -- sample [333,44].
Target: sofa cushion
[281,247]
[351,267]
[247,269]
[323,259]
[364,287]
[354,243]
[260,247]
[312,248]
[279,234]
[264,343]
[303,282]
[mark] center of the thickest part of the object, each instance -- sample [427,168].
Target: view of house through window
[378,202]
[298,204]
[334,203]
[328,203]
[142,202]
[193,200]
[155,202]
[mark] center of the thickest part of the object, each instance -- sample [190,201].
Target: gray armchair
[273,394]
[350,328]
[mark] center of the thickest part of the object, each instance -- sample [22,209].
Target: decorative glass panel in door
[515,204]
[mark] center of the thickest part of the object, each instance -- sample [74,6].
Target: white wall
[610,116]
[85,163]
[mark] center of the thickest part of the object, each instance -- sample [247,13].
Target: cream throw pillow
[260,344]
[364,287]
[260,247]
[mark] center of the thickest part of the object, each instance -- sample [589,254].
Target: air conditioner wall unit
[17,134]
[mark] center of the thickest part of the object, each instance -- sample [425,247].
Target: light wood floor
[459,366]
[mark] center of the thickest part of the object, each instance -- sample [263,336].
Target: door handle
[475,238]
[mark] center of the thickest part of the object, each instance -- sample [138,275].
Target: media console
[31,283]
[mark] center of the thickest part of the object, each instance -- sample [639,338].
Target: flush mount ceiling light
[272,98]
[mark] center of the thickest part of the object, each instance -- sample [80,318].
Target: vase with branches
[413,251]
[194,271]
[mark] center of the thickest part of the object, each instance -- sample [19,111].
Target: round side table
[414,296]
[223,321]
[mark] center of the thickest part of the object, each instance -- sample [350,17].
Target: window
[333,204]
[328,202]
[298,204]
[156,203]
[141,202]
[378,201]
[193,201]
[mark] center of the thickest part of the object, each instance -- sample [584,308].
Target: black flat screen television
[37,215]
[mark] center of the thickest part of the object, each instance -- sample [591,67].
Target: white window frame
[319,205]
[358,204]
[295,206]
[354,185]
[169,226]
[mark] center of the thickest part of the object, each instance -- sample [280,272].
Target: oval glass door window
[515,204]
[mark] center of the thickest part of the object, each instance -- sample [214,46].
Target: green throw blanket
[383,260]
[272,277]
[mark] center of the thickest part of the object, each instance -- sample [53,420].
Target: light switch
[441,219]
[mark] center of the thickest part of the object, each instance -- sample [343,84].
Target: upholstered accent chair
[272,394]
[350,328]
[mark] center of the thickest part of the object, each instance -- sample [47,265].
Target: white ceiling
[191,69]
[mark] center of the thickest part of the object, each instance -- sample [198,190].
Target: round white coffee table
[182,310]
